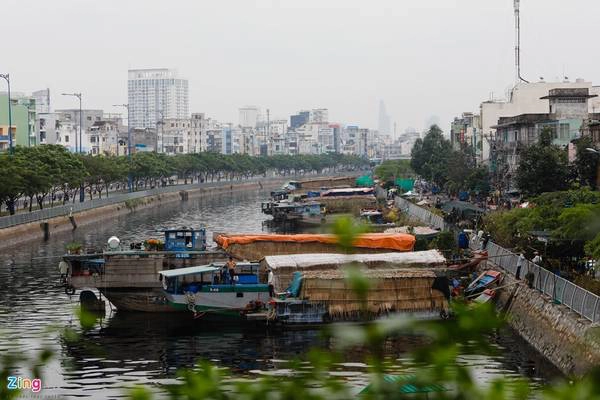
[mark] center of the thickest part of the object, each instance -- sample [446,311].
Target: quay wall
[570,342]
[559,319]
[13,235]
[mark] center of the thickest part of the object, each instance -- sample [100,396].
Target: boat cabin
[213,278]
[185,239]
[372,216]
[287,211]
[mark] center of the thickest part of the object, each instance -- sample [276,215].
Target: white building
[524,99]
[197,137]
[156,94]
[42,101]
[174,136]
[319,115]
[249,116]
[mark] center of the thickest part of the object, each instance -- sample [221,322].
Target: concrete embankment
[570,342]
[565,338]
[14,235]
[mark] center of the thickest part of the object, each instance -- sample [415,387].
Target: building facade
[156,94]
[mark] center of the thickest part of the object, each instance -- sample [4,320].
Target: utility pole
[10,140]
[269,139]
[129,182]
[78,95]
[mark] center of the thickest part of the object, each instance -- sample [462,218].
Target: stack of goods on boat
[255,247]
[313,288]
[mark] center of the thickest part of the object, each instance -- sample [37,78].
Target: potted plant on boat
[74,248]
[154,245]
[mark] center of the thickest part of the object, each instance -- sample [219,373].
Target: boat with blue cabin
[208,291]
[128,275]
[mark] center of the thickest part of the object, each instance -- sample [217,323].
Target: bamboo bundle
[401,290]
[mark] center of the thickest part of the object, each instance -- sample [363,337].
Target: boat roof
[415,259]
[389,241]
[169,273]
[182,229]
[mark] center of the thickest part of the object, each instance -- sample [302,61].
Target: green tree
[586,162]
[542,167]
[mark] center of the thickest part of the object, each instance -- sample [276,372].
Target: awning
[169,273]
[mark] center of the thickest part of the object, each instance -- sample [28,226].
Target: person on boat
[63,268]
[270,279]
[231,269]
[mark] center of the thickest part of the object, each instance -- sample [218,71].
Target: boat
[285,211]
[201,290]
[128,275]
[255,247]
[317,291]
[485,296]
[486,280]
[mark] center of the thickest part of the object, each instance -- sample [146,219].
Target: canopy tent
[405,184]
[364,181]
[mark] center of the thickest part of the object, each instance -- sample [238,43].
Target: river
[126,349]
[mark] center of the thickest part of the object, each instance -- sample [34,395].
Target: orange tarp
[391,241]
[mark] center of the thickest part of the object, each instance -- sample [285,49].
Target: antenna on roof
[519,78]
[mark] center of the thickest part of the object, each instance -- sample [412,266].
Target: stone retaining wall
[570,342]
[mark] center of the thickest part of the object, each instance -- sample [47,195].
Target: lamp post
[10,141]
[78,95]
[129,183]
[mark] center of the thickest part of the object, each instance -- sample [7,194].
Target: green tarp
[364,181]
[405,184]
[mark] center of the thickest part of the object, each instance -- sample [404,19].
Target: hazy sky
[423,57]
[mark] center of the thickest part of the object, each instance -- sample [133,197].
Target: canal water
[125,349]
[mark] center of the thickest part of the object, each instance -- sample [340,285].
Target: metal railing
[420,213]
[64,210]
[578,299]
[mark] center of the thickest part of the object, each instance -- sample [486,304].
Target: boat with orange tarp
[257,246]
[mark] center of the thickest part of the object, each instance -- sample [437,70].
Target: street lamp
[129,183]
[10,141]
[78,95]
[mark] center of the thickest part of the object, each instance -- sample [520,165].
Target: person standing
[231,269]
[270,279]
[537,259]
[63,268]
[520,263]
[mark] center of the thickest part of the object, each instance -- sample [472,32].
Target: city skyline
[347,73]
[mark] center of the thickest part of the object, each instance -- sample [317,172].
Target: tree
[586,163]
[542,167]
[430,156]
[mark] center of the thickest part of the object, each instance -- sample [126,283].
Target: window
[89,118]
[66,138]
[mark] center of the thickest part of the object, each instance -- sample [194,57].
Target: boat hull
[230,303]
[145,300]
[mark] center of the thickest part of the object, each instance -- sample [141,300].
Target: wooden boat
[202,291]
[316,289]
[484,281]
[255,247]
[129,278]
[485,296]
[290,211]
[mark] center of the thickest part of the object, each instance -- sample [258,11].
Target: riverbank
[14,235]
[570,342]
[562,336]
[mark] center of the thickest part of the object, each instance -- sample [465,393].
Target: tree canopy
[51,172]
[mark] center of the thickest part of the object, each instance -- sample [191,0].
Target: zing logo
[20,383]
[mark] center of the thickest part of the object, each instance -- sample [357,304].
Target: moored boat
[204,291]
[486,280]
[128,277]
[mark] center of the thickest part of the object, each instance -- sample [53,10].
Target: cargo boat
[129,278]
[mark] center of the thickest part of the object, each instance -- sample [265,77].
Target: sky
[424,58]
